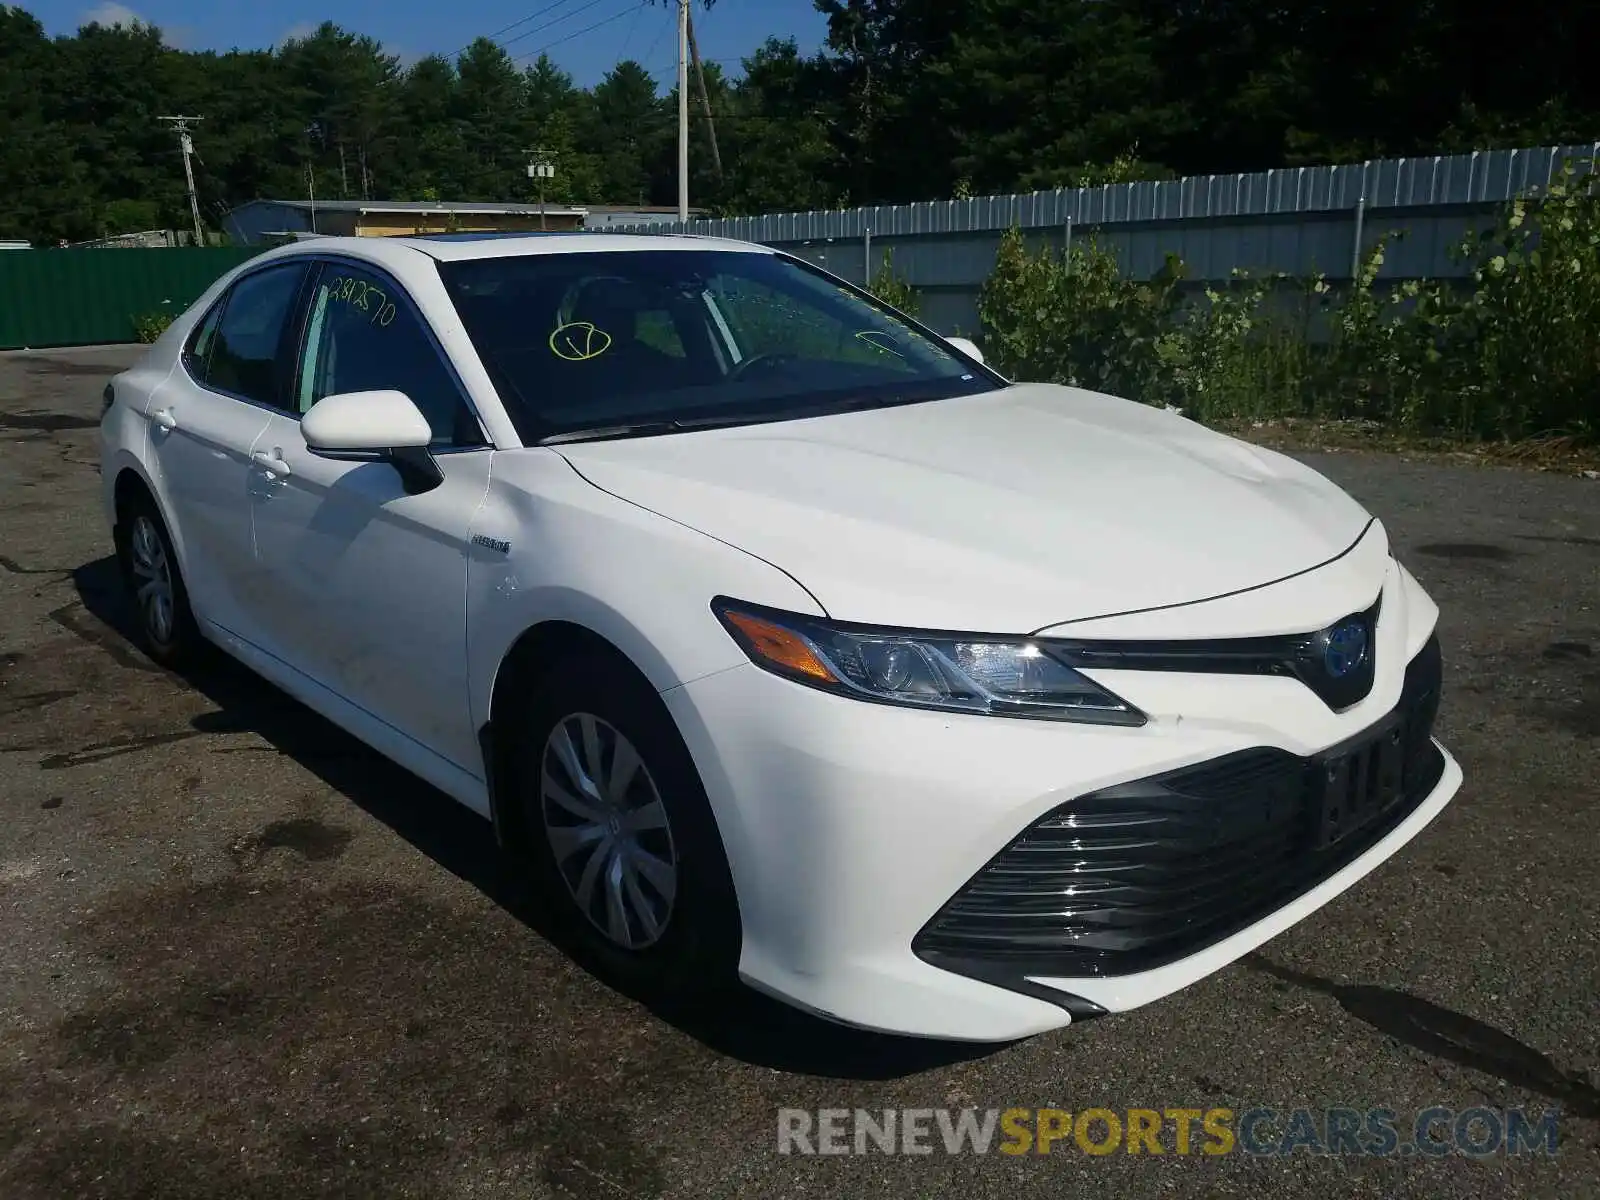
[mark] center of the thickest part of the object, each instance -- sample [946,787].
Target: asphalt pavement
[243,956]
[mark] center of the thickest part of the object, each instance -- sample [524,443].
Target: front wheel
[623,837]
[150,571]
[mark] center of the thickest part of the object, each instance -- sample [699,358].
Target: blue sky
[413,28]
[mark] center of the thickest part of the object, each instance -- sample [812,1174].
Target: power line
[527,33]
[666,77]
[648,53]
[637,10]
[707,61]
[787,117]
[538,12]
[632,26]
[581,32]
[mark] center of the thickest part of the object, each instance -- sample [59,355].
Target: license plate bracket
[1354,786]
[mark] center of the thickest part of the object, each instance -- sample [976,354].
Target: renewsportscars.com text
[1374,1132]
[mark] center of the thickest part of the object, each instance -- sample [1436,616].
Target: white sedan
[781,637]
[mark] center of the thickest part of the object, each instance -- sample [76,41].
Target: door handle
[272,463]
[164,418]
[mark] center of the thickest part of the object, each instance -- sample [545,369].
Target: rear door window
[246,357]
[197,351]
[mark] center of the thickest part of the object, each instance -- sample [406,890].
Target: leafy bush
[1524,349]
[147,327]
[1073,319]
[1242,350]
[1514,353]
[893,290]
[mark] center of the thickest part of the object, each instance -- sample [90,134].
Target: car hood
[1009,511]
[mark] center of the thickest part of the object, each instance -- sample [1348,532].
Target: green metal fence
[90,297]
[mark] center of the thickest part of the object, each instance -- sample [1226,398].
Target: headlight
[996,676]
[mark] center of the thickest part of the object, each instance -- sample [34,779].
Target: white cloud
[111,13]
[296,32]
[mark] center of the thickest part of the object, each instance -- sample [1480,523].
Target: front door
[204,420]
[364,586]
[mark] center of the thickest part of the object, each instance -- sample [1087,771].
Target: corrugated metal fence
[1299,220]
[85,297]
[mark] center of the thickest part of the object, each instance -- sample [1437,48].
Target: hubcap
[608,830]
[152,579]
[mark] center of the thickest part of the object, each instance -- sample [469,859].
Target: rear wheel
[622,835]
[165,622]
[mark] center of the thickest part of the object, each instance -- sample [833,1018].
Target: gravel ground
[245,957]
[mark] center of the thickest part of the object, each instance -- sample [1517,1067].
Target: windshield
[634,342]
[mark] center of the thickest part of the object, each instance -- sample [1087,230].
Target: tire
[676,939]
[161,614]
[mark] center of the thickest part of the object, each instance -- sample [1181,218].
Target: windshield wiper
[597,433]
[862,403]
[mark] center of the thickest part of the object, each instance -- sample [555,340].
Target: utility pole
[705,102]
[541,168]
[683,110]
[180,126]
[311,172]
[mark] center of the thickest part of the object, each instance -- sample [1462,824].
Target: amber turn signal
[783,648]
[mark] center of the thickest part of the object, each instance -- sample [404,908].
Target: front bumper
[855,831]
[1141,874]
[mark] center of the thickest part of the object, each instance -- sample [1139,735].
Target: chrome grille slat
[1141,874]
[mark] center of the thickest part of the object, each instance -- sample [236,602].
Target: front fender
[549,546]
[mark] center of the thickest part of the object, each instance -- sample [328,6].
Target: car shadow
[745,1025]
[1444,1034]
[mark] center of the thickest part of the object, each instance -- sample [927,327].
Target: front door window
[362,335]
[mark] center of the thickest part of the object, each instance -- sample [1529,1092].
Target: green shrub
[1238,353]
[1524,348]
[1515,352]
[893,290]
[1073,319]
[147,327]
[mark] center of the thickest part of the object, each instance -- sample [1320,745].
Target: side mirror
[381,426]
[967,347]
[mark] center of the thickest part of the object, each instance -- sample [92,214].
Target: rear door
[204,420]
[363,585]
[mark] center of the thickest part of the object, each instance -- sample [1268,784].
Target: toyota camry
[781,638]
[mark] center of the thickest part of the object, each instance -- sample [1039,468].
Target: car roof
[454,247]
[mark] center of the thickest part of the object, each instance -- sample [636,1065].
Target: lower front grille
[1138,875]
